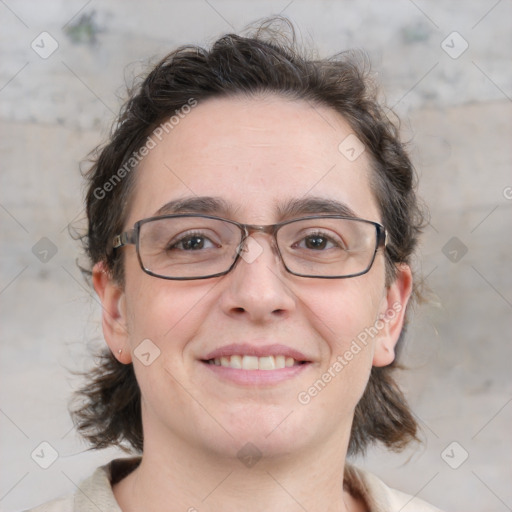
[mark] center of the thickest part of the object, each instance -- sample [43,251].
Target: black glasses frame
[131,237]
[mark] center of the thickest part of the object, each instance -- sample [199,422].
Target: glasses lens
[192,247]
[188,247]
[326,247]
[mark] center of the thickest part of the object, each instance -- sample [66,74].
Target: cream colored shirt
[95,493]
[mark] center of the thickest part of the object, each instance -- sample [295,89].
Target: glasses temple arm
[126,238]
[383,238]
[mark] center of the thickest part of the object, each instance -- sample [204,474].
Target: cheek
[344,309]
[346,316]
[166,312]
[343,319]
[163,317]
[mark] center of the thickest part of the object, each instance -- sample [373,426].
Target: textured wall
[445,69]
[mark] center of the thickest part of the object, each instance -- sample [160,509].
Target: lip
[256,377]
[246,349]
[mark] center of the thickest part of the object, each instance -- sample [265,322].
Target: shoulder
[381,498]
[60,505]
[94,493]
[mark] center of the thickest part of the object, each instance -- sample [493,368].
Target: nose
[257,289]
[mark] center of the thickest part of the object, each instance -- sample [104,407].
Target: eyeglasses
[194,246]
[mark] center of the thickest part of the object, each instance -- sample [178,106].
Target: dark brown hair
[107,411]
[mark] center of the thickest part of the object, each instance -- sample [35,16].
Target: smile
[246,362]
[256,363]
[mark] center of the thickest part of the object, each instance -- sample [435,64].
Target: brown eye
[316,242]
[192,242]
[319,242]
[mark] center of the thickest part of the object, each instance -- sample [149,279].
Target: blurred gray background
[445,68]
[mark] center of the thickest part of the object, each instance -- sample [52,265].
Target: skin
[255,154]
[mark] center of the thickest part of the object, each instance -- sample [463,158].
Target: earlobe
[113,305]
[392,316]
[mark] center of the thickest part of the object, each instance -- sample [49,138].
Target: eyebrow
[313,205]
[197,204]
[209,205]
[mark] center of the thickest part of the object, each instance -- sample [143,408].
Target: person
[251,224]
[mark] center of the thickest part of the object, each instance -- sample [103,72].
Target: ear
[392,315]
[114,316]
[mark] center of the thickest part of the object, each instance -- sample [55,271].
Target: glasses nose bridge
[267,229]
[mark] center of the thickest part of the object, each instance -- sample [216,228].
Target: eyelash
[187,236]
[320,234]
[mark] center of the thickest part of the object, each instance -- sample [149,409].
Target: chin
[274,430]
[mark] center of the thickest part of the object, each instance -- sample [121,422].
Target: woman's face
[256,156]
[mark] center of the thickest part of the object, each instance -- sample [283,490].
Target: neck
[187,479]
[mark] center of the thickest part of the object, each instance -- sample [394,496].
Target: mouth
[256,363]
[249,362]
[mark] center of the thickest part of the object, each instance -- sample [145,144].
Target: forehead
[256,154]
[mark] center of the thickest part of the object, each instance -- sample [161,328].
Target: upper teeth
[254,362]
